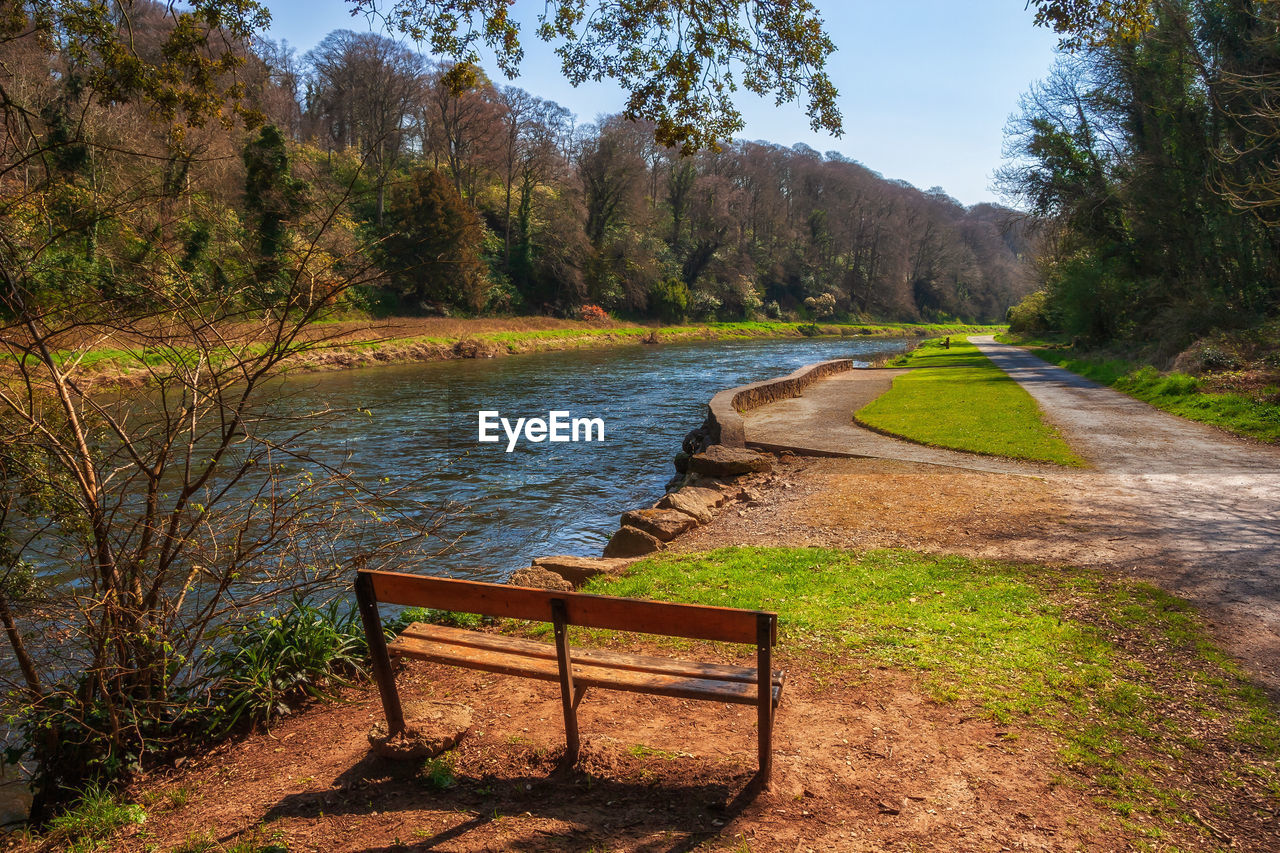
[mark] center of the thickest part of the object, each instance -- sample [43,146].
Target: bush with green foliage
[669,299]
[1031,315]
[277,660]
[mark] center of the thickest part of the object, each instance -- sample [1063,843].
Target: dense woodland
[439,191]
[1154,161]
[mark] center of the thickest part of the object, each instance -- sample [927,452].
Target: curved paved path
[820,423]
[1210,502]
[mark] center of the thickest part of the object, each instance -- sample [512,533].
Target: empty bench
[574,669]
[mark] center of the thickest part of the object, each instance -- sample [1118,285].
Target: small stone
[537,576]
[720,461]
[430,729]
[632,542]
[663,524]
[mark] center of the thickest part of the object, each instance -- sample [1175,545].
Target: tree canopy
[679,62]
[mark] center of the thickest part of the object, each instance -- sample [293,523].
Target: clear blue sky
[925,85]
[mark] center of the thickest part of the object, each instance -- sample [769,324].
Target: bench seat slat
[585,673]
[616,660]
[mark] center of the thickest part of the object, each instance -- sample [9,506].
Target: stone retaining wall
[724,423]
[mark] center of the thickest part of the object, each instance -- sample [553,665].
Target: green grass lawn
[956,398]
[1120,672]
[1177,393]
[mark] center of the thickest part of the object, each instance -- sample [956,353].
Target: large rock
[694,501]
[540,577]
[579,570]
[663,524]
[430,729]
[720,461]
[632,542]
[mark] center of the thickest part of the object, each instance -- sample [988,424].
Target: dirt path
[1206,505]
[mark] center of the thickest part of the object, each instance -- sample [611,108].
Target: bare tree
[363,92]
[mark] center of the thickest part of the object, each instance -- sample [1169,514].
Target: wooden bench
[574,669]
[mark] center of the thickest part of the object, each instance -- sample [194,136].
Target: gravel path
[1205,504]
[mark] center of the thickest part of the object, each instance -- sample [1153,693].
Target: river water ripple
[544,498]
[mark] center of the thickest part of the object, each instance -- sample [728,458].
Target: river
[544,498]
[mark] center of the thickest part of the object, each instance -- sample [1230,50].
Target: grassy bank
[1233,400]
[478,339]
[346,343]
[1153,719]
[956,398]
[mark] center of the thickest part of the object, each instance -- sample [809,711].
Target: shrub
[275,661]
[1213,357]
[1030,316]
[821,306]
[593,314]
[704,305]
[669,299]
[809,330]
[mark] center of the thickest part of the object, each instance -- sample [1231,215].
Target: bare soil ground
[862,763]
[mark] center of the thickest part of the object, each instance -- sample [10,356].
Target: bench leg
[381,661]
[568,696]
[764,706]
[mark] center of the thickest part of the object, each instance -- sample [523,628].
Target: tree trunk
[25,663]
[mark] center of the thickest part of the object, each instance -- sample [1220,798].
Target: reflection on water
[543,498]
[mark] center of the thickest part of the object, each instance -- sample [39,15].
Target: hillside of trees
[1151,156]
[426,189]
[485,198]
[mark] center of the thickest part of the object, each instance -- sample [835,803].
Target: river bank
[356,343]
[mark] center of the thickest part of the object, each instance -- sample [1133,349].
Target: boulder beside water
[720,461]
[537,576]
[663,524]
[694,501]
[632,542]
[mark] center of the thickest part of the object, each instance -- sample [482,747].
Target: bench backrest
[692,621]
